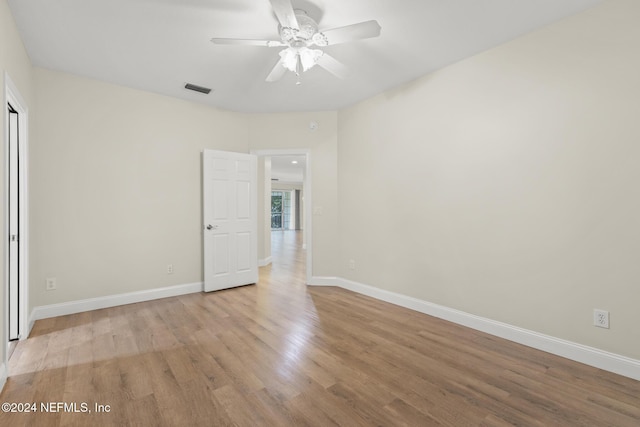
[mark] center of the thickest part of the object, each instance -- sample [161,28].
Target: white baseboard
[325,281]
[580,353]
[3,375]
[72,307]
[264,262]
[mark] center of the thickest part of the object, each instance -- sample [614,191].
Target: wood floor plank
[238,408]
[273,408]
[364,401]
[280,353]
[406,415]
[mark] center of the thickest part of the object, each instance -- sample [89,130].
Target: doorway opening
[286,235]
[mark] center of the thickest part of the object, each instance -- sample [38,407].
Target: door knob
[212,227]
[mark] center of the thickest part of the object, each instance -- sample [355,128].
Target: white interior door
[14,225]
[230,218]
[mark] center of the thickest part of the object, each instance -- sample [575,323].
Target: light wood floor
[280,353]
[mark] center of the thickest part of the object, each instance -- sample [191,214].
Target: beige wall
[116,187]
[15,62]
[116,193]
[506,185]
[291,131]
[264,208]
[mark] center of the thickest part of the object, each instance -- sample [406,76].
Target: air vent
[197,88]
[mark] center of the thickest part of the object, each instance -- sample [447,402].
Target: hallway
[288,257]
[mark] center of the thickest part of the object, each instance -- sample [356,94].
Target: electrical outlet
[169,268]
[601,318]
[51,284]
[352,264]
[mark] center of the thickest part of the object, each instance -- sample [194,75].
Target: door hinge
[14,238]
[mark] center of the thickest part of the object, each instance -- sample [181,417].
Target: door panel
[230,219]
[244,251]
[243,194]
[219,202]
[221,251]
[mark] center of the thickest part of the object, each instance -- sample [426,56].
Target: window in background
[276,210]
[281,210]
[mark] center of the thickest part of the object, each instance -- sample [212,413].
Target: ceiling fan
[299,35]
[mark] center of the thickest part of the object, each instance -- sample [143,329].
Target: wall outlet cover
[601,318]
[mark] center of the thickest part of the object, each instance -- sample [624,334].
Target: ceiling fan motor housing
[306,34]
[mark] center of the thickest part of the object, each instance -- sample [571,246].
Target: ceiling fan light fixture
[289,59]
[309,57]
[294,59]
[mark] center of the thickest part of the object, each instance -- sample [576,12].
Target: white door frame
[308,225]
[12,96]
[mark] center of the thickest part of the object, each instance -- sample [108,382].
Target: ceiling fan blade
[248,42]
[285,14]
[333,66]
[277,72]
[363,30]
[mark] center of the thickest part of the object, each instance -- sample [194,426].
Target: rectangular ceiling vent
[197,88]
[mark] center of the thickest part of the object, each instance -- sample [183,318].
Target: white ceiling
[159,45]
